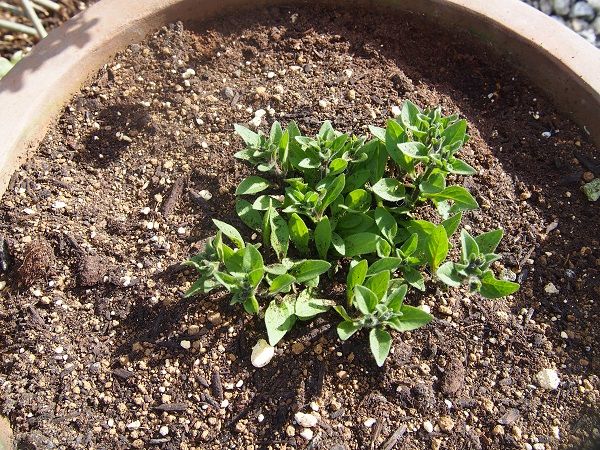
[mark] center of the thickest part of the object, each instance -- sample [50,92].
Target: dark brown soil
[92,353]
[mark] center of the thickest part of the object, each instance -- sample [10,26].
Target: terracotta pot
[560,62]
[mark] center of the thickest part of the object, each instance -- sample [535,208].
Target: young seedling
[379,302]
[473,269]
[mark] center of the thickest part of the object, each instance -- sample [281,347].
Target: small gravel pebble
[547,379]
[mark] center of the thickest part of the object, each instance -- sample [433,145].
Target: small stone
[564,335]
[547,379]
[588,176]
[185,344]
[446,423]
[323,104]
[215,319]
[297,348]
[228,93]
[2,285]
[539,446]
[582,10]
[189,73]
[306,420]
[351,94]
[168,164]
[145,211]
[206,195]
[164,430]
[290,431]
[436,444]
[446,310]
[260,418]
[516,432]
[425,308]
[262,353]
[271,75]
[369,422]
[428,426]
[134,425]
[307,434]
[561,7]
[551,289]
[58,205]
[498,430]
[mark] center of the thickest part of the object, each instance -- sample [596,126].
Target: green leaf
[202,285]
[338,244]
[248,215]
[460,167]
[228,281]
[378,132]
[395,134]
[413,277]
[396,299]
[389,189]
[299,233]
[409,115]
[249,137]
[451,224]
[448,275]
[494,288]
[455,133]
[356,276]
[412,318]
[389,263]
[307,307]
[380,342]
[252,185]
[280,234]
[322,237]
[251,305]
[358,200]
[386,223]
[437,246]
[463,200]
[356,179]
[229,231]
[342,312]
[346,329]
[361,243]
[252,259]
[337,166]
[279,319]
[414,150]
[309,269]
[410,245]
[334,189]
[263,202]
[468,245]
[378,284]
[281,283]
[255,276]
[364,299]
[488,242]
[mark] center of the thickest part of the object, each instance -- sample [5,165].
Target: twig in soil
[376,433]
[173,197]
[172,407]
[216,386]
[394,438]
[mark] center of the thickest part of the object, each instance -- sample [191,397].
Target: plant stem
[37,23]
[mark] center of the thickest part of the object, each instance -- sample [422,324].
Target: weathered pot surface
[560,62]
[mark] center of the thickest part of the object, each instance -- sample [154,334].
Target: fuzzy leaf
[346,329]
[494,288]
[229,231]
[281,283]
[378,284]
[309,269]
[386,223]
[322,237]
[488,242]
[248,136]
[252,185]
[365,299]
[280,234]
[389,189]
[248,215]
[380,342]
[299,233]
[279,319]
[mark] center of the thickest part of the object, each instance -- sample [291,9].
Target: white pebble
[58,205]
[59,350]
[425,308]
[551,289]
[185,344]
[314,406]
[428,426]
[306,420]
[369,422]
[396,111]
[2,285]
[271,75]
[224,404]
[323,104]
[134,425]
[307,434]
[145,211]
[164,430]
[126,280]
[181,230]
[548,379]
[546,134]
[260,418]
[206,195]
[564,335]
[555,432]
[262,353]
[188,74]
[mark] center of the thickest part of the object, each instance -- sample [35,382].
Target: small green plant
[338,200]
[379,301]
[477,254]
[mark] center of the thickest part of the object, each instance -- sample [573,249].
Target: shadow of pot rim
[562,64]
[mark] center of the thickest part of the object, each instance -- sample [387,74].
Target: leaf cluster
[324,201]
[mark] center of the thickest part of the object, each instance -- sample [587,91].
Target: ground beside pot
[102,351]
